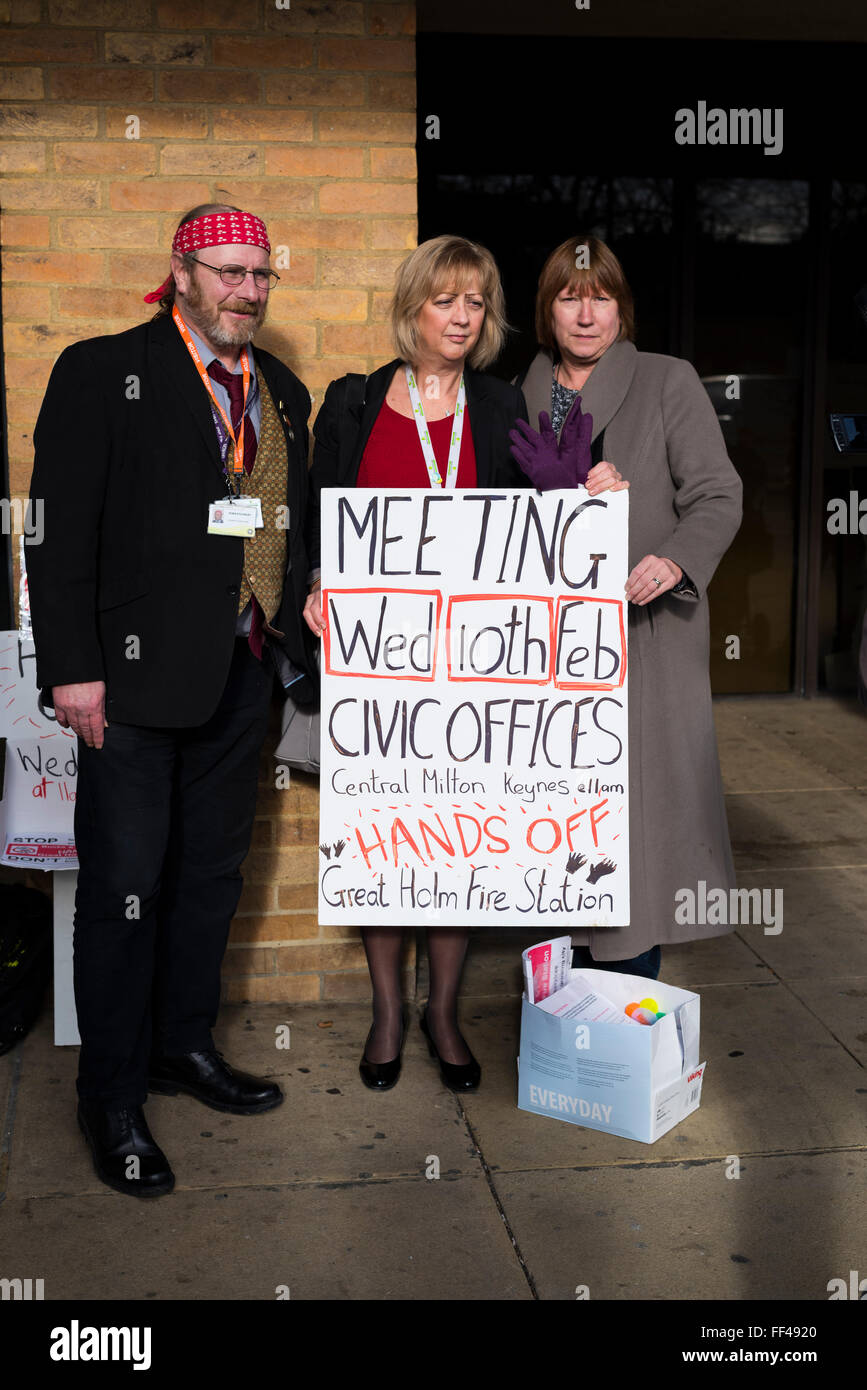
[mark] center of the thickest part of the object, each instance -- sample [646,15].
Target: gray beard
[212,329]
[232,337]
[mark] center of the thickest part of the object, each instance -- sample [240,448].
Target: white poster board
[474,708]
[36,812]
[41,769]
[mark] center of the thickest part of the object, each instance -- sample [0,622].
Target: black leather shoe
[381,1076]
[114,1135]
[208,1077]
[463,1076]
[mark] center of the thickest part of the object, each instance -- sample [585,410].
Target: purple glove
[575,441]
[539,455]
[550,465]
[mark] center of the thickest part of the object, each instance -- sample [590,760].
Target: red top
[393,457]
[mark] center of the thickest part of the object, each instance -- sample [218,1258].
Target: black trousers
[163,821]
[647,963]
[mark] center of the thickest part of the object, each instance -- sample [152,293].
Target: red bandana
[215,229]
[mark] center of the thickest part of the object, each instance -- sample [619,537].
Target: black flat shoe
[115,1135]
[381,1076]
[457,1076]
[208,1077]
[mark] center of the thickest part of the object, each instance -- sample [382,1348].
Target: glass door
[749,258]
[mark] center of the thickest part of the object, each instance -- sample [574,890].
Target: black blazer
[127,461]
[493,407]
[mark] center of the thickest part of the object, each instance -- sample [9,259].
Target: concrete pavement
[329,1195]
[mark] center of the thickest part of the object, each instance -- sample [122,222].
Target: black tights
[447,947]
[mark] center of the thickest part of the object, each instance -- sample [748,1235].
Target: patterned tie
[234,384]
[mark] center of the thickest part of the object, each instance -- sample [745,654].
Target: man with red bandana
[171,465]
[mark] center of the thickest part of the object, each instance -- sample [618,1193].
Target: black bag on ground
[25,959]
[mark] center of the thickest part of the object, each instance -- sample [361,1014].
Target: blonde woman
[448,323]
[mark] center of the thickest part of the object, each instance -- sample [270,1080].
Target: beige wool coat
[662,433]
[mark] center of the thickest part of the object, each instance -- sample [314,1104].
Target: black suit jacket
[127,461]
[493,408]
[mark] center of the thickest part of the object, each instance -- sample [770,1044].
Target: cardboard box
[637,1081]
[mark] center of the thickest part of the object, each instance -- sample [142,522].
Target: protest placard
[41,768]
[474,708]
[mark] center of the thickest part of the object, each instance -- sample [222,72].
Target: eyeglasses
[236,275]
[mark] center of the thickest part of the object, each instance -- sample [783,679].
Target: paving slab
[8,1067]
[415,1239]
[781,1230]
[45,1081]
[756,759]
[719,960]
[329,1128]
[823,932]
[842,1007]
[829,731]
[815,829]
[776,1081]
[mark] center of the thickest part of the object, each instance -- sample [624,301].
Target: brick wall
[305,115]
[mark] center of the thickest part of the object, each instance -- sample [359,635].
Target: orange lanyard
[238,458]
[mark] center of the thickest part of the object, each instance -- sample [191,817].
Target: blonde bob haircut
[582,264]
[448,264]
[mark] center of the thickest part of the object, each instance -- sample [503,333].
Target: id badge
[234,516]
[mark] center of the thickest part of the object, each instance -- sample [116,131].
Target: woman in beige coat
[661,433]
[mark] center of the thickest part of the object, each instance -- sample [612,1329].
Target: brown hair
[189,260]
[583,262]
[445,263]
